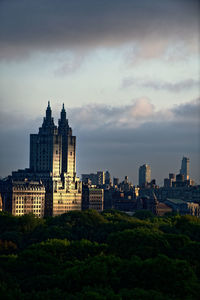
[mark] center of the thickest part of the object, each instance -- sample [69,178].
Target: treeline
[87,255]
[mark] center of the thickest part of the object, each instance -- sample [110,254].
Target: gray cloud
[71,65]
[139,112]
[177,87]
[34,25]
[104,143]
[162,145]
[188,111]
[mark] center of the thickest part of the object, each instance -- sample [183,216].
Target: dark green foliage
[111,256]
[143,214]
[142,242]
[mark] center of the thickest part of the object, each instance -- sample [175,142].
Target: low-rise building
[24,197]
[92,198]
[183,207]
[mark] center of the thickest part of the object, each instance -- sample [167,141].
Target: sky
[127,71]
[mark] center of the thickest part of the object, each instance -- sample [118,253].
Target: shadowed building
[152,204]
[183,208]
[168,181]
[108,180]
[92,198]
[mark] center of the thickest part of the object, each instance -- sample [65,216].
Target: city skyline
[127,72]
[50,120]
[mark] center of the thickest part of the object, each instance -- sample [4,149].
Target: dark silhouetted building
[108,180]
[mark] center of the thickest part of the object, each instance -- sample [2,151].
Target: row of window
[31,206]
[32,202]
[22,211]
[27,189]
[25,197]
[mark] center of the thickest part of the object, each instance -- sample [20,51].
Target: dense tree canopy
[87,255]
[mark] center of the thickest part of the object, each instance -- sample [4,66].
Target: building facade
[1,203]
[144,175]
[53,162]
[24,197]
[97,179]
[185,168]
[92,198]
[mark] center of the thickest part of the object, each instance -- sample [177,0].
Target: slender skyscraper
[144,175]
[185,168]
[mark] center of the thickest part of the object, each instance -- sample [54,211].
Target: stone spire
[63,126]
[63,113]
[48,122]
[48,113]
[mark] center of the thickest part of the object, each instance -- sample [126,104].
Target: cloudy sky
[127,71]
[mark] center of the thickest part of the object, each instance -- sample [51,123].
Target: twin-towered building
[52,168]
[53,149]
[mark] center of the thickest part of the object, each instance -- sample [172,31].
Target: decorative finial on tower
[48,112]
[63,112]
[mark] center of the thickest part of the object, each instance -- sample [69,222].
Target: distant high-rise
[115,181]
[144,175]
[96,179]
[107,178]
[185,168]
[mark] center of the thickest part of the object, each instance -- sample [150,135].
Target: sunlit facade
[53,162]
[28,197]
[53,152]
[144,175]
[185,168]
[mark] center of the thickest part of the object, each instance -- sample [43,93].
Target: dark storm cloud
[28,25]
[160,138]
[180,86]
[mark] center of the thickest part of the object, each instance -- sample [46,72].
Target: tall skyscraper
[185,168]
[53,161]
[108,178]
[144,175]
[53,150]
